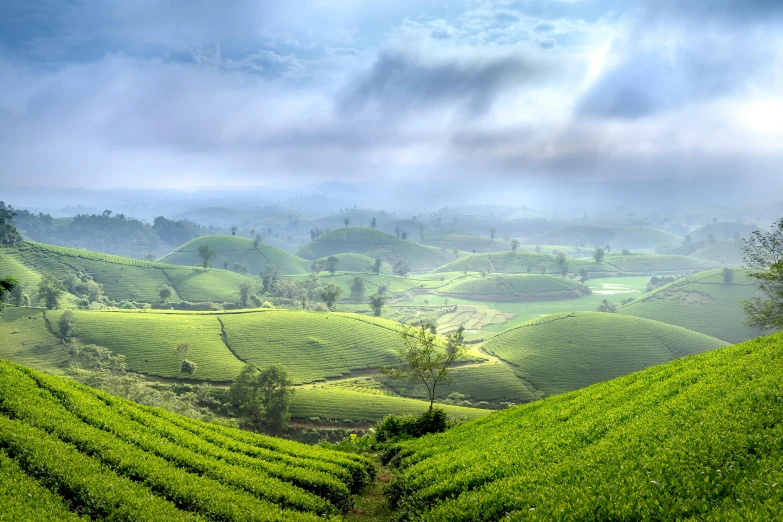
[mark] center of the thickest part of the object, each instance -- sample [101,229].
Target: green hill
[695,439]
[701,302]
[723,252]
[375,244]
[632,238]
[656,263]
[723,230]
[517,288]
[563,352]
[91,454]
[356,263]
[451,239]
[237,254]
[122,278]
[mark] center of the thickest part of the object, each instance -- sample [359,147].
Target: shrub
[401,427]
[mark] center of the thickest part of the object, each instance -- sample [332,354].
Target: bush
[401,427]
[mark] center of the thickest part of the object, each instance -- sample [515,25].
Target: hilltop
[655,445]
[515,287]
[563,352]
[702,302]
[632,237]
[237,254]
[375,244]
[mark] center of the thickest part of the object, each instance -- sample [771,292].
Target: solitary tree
[711,238]
[376,268]
[583,275]
[225,262]
[425,358]
[257,240]
[165,293]
[50,290]
[18,295]
[514,245]
[245,290]
[264,396]
[397,231]
[9,284]
[207,255]
[599,254]
[330,294]
[357,289]
[763,253]
[492,232]
[401,268]
[346,222]
[186,366]
[233,231]
[456,253]
[377,302]
[728,276]
[252,232]
[331,264]
[607,307]
[66,322]
[562,264]
[403,235]
[374,223]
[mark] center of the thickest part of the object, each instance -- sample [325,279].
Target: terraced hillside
[657,264]
[723,230]
[237,254]
[355,263]
[376,244]
[723,252]
[516,288]
[703,303]
[632,237]
[122,278]
[86,453]
[695,439]
[451,239]
[564,352]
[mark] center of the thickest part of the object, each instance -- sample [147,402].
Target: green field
[376,244]
[98,456]
[515,288]
[452,239]
[26,339]
[695,439]
[234,249]
[632,237]
[564,352]
[122,278]
[701,302]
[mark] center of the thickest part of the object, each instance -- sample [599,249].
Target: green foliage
[9,235]
[394,428]
[655,445]
[245,290]
[50,290]
[377,302]
[330,294]
[728,276]
[207,255]
[607,307]
[264,396]
[65,324]
[357,289]
[515,245]
[7,286]
[763,253]
[331,264]
[515,288]
[599,254]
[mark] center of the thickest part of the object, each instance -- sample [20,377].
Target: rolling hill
[515,287]
[451,239]
[356,263]
[94,455]
[237,254]
[375,244]
[702,303]
[122,278]
[695,439]
[632,238]
[720,251]
[564,352]
[723,230]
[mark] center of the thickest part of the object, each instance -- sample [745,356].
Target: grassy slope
[356,263]
[122,278]
[633,238]
[374,243]
[25,338]
[451,239]
[113,458]
[699,438]
[514,288]
[237,250]
[564,352]
[701,302]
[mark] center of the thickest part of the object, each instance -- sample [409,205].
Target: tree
[401,268]
[357,289]
[269,276]
[403,235]
[626,252]
[608,248]
[376,268]
[186,366]
[149,257]
[711,238]
[763,253]
[7,285]
[65,324]
[9,235]
[264,396]
[233,231]
[607,307]
[346,222]
[514,245]
[599,254]
[257,240]
[225,262]
[252,232]
[245,290]
[728,276]
[331,264]
[687,240]
[377,302]
[18,295]
[583,275]
[165,293]
[50,290]
[562,264]
[421,232]
[492,232]
[374,223]
[397,231]
[330,294]
[207,255]
[424,358]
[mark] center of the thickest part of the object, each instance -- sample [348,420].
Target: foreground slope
[237,253]
[104,457]
[699,438]
[563,352]
[702,302]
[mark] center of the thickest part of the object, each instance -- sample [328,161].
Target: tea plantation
[696,439]
[68,451]
[514,288]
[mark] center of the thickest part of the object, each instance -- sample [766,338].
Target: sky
[192,94]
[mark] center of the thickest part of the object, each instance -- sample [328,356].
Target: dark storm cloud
[398,82]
